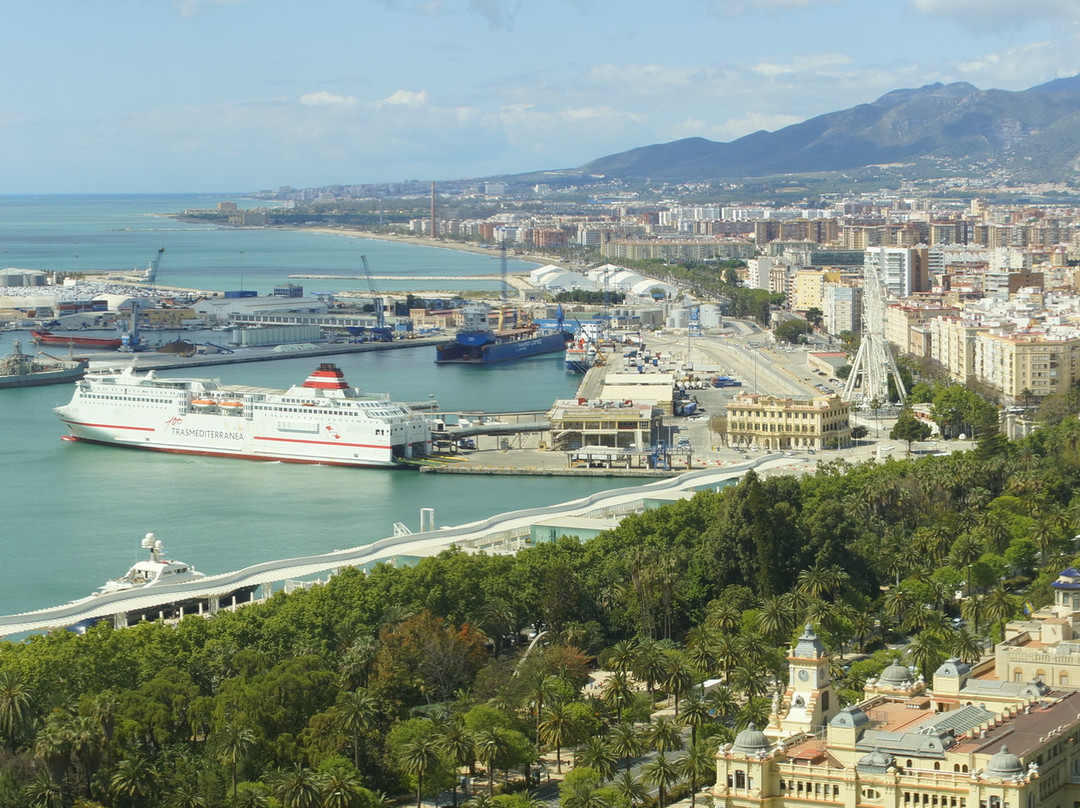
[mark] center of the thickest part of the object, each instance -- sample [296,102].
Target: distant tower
[874,362]
[434,228]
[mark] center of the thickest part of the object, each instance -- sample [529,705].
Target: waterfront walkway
[502,533]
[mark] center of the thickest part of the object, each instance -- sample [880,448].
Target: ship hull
[331,426]
[499,351]
[579,361]
[48,338]
[43,377]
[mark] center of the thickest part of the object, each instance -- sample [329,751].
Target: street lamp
[241,270]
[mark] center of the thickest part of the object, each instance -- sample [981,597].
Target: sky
[165,96]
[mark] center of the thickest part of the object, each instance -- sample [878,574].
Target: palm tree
[555,730]
[747,679]
[457,742]
[84,739]
[538,686]
[661,773]
[753,648]
[1000,605]
[722,702]
[630,790]
[134,777]
[357,660]
[16,707]
[52,745]
[105,706]
[775,620]
[233,744]
[695,715]
[297,787]
[618,692]
[696,765]
[491,744]
[727,653]
[626,742]
[925,652]
[187,795]
[420,757]
[700,651]
[966,550]
[339,789]
[252,795]
[965,645]
[356,712]
[596,754]
[813,582]
[648,663]
[582,794]
[863,624]
[663,734]
[755,711]
[723,616]
[678,677]
[621,656]
[42,792]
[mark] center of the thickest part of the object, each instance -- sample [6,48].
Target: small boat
[156,571]
[202,403]
[231,406]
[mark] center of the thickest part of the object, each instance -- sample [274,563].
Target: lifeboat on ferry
[202,403]
[231,406]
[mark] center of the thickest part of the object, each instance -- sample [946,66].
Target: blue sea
[122,233]
[74,514]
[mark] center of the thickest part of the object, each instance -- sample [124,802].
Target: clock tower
[809,701]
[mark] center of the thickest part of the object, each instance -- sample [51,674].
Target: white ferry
[324,420]
[156,571]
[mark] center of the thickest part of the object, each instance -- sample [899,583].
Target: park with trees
[460,673]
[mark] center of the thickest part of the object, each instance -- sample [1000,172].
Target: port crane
[151,272]
[380,332]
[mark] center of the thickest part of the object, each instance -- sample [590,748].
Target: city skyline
[239,95]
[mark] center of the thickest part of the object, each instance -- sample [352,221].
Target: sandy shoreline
[424,241]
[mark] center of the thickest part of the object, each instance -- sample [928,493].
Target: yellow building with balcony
[775,422]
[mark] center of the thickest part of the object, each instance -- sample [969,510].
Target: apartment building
[952,343]
[1016,363]
[902,318]
[841,307]
[904,270]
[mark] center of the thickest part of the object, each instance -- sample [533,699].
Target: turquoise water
[121,233]
[74,514]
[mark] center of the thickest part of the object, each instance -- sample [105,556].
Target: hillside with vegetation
[396,683]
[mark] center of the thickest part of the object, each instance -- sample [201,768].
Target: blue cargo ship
[478,343]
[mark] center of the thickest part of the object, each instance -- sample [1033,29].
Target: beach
[445,244]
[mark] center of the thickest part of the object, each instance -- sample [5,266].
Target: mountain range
[1031,135]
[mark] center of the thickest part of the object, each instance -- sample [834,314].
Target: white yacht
[156,571]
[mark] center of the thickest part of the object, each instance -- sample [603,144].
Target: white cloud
[990,15]
[404,98]
[732,128]
[325,99]
[818,64]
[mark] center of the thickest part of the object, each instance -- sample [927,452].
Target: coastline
[427,241]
